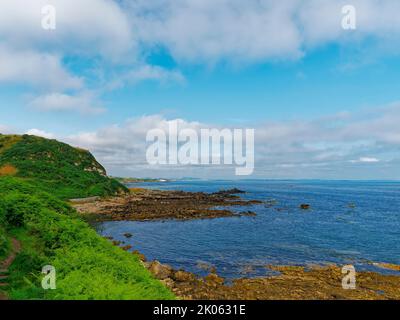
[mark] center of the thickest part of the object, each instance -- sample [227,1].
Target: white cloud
[193,30]
[123,146]
[324,147]
[365,160]
[84,103]
[147,73]
[254,30]
[37,69]
[40,133]
[95,26]
[119,36]
[206,31]
[35,57]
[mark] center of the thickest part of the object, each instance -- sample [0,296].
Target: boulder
[183,276]
[229,192]
[160,271]
[141,256]
[128,235]
[214,280]
[168,282]
[248,214]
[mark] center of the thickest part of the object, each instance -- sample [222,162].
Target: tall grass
[87,266]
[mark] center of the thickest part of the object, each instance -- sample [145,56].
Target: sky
[324,101]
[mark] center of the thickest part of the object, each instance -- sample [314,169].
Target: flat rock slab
[144,205]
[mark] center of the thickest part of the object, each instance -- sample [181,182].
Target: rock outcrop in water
[143,204]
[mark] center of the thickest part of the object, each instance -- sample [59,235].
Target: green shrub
[56,167]
[4,244]
[87,266]
[33,210]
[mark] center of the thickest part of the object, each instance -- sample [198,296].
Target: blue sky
[316,94]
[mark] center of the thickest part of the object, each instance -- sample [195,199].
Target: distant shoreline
[139,180]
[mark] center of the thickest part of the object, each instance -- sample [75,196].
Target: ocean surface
[349,223]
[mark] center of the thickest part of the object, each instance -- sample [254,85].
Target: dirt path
[16,247]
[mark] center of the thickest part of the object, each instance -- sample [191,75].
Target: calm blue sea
[349,223]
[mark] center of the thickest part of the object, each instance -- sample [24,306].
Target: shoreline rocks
[292,282]
[148,205]
[160,271]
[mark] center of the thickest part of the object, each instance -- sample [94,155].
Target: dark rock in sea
[158,205]
[128,235]
[117,242]
[160,271]
[127,248]
[255,202]
[248,214]
[141,256]
[305,206]
[230,191]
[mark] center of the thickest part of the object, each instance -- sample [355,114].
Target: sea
[349,223]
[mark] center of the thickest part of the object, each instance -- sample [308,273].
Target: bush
[56,167]
[32,207]
[87,266]
[4,244]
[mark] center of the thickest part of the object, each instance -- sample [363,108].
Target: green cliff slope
[56,167]
[36,176]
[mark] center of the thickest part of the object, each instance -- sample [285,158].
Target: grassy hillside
[51,232]
[56,167]
[4,243]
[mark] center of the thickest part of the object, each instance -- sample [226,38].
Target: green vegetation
[51,232]
[56,167]
[4,243]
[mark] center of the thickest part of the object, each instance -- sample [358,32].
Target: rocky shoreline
[292,283]
[147,205]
